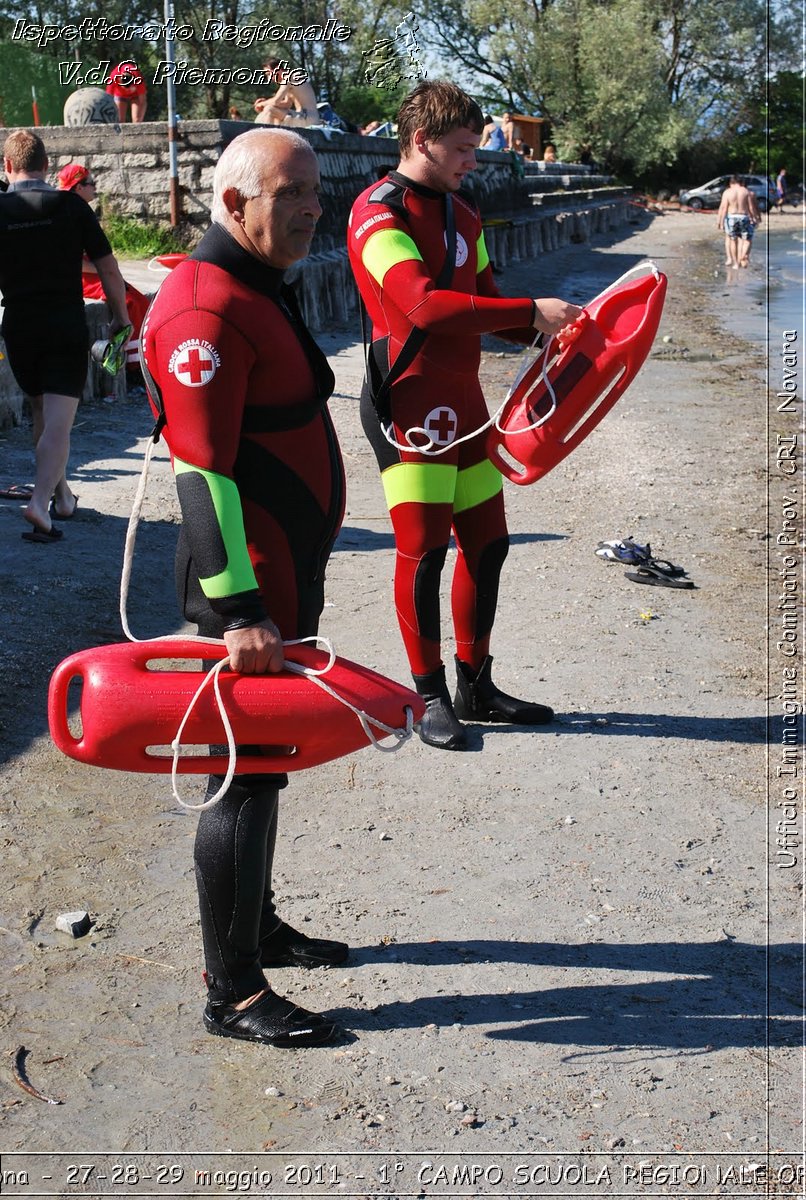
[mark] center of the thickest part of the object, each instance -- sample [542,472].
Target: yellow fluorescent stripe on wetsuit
[482,257]
[239,574]
[386,249]
[419,483]
[476,484]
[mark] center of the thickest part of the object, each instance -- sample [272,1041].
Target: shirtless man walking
[738,215]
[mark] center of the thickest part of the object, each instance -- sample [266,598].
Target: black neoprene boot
[478,699]
[439,726]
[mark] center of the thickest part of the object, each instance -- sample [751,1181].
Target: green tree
[636,78]
[335,68]
[771,134]
[22,70]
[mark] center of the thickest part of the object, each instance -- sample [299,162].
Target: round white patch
[461,249]
[441,425]
[194,362]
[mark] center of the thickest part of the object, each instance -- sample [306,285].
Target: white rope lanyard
[366,720]
[430,447]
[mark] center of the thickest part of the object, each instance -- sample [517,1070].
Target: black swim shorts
[48,353]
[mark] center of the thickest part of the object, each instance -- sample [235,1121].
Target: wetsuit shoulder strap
[413,343]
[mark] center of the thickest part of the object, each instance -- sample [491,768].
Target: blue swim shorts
[737,225]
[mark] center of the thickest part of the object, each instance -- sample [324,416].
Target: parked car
[710,194]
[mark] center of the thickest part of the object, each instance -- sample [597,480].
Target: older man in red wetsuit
[260,483]
[418,295]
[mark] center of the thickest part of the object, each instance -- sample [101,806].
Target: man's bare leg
[53,417]
[728,244]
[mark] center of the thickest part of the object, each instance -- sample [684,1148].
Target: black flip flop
[42,537]
[55,515]
[658,578]
[16,491]
[666,567]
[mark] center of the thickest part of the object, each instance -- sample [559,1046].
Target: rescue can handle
[58,690]
[565,338]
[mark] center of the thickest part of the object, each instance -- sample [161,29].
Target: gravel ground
[569,949]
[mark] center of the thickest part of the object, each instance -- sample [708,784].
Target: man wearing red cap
[75,178]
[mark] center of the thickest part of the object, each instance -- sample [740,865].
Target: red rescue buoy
[129,709]
[595,361]
[170,260]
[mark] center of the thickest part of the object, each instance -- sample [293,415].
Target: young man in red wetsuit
[397,242]
[261,486]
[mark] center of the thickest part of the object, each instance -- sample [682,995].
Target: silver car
[710,194]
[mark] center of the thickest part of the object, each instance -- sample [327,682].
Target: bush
[132,237]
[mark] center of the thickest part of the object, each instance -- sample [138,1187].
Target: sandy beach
[572,947]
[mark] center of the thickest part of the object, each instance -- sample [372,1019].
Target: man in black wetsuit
[44,234]
[260,483]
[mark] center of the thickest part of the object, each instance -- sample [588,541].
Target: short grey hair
[238,167]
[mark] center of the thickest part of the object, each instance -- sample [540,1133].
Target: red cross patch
[194,362]
[441,425]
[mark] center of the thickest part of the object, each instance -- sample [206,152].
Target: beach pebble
[75,923]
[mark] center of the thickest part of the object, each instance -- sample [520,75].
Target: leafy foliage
[20,71]
[335,68]
[135,238]
[772,135]
[637,79]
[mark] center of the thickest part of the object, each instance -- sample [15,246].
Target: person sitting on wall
[293,104]
[492,136]
[510,130]
[127,87]
[549,153]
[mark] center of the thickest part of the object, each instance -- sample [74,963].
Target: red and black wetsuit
[397,249]
[261,486]
[258,468]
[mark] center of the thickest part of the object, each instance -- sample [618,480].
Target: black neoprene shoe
[439,727]
[272,1021]
[478,699]
[287,947]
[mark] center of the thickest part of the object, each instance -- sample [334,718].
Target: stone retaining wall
[131,165]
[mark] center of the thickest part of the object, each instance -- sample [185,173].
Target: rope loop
[314,674]
[431,450]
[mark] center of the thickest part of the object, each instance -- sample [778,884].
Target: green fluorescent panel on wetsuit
[419,483]
[386,249]
[482,257]
[477,484]
[239,574]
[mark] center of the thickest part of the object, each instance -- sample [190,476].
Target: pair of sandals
[658,572]
[44,537]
